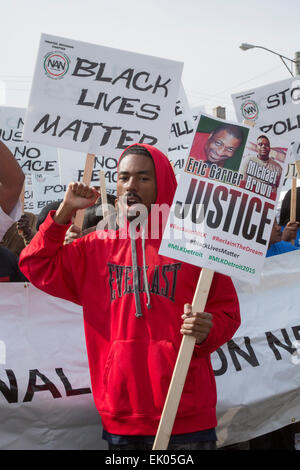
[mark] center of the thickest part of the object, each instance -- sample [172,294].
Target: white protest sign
[99,100]
[275,109]
[46,189]
[28,195]
[31,157]
[72,164]
[225,203]
[182,129]
[182,132]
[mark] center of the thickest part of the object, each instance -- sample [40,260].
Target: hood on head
[165,177]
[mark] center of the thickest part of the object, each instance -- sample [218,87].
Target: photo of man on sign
[262,167]
[218,143]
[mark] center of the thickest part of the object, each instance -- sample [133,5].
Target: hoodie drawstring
[138,313]
[144,269]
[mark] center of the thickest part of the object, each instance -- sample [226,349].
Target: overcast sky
[205,35]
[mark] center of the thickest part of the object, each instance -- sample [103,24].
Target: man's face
[221,146]
[263,148]
[136,184]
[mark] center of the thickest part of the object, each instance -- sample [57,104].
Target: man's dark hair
[263,137]
[233,130]
[91,216]
[45,211]
[137,150]
[286,207]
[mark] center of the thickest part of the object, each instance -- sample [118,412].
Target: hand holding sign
[196,324]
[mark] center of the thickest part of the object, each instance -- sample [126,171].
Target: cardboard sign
[32,158]
[99,100]
[225,202]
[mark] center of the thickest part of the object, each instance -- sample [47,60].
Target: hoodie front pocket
[136,377]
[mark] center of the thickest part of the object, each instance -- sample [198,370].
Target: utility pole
[220,112]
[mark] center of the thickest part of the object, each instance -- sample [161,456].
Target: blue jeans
[201,445]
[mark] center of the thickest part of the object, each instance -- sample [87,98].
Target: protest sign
[99,100]
[182,133]
[225,202]
[32,158]
[28,195]
[182,129]
[46,189]
[72,163]
[274,108]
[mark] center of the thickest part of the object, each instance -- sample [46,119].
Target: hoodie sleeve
[223,304]
[51,266]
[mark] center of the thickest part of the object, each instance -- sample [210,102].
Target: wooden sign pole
[181,367]
[87,176]
[248,122]
[22,195]
[298,168]
[103,194]
[21,198]
[293,203]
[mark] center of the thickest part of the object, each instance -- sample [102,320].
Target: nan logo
[56,64]
[249,110]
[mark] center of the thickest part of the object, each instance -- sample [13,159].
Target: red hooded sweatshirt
[131,357]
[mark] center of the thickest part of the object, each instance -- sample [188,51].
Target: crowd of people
[136,303]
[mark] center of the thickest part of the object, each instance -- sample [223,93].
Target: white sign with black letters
[32,158]
[275,109]
[99,100]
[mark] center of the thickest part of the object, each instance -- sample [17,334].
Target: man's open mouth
[132,200]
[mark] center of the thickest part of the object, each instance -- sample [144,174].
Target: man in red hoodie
[136,306]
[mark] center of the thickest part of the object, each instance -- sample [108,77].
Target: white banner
[99,100]
[45,395]
[258,372]
[32,158]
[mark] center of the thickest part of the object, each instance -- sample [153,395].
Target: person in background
[9,269]
[11,184]
[290,230]
[277,245]
[20,233]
